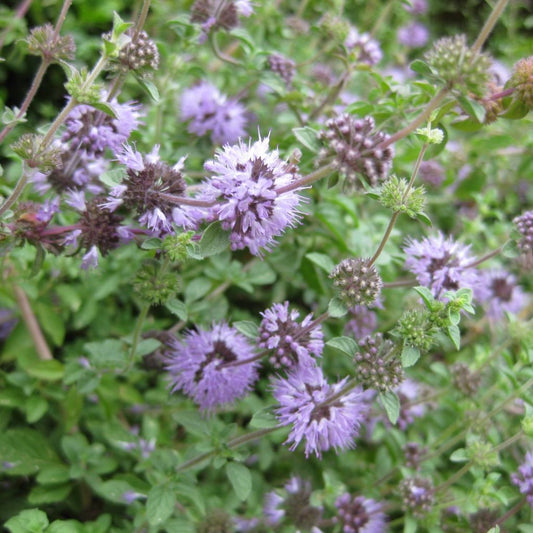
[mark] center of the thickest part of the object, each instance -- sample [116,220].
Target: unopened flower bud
[357,282]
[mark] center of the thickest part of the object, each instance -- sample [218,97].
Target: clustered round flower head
[44,41]
[418,495]
[293,506]
[249,185]
[216,521]
[440,263]
[431,173]
[416,329]
[354,148]
[358,514]
[283,66]
[524,225]
[307,403]
[208,110]
[414,35]
[200,366]
[498,293]
[416,7]
[91,131]
[457,65]
[410,405]
[377,364]
[523,479]
[363,322]
[465,380]
[145,187]
[357,283]
[522,81]
[139,55]
[292,343]
[367,50]
[413,455]
[483,520]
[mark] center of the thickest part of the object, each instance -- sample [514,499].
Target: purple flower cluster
[292,343]
[360,515]
[440,264]
[366,48]
[208,110]
[251,192]
[414,35]
[209,366]
[319,412]
[523,479]
[498,292]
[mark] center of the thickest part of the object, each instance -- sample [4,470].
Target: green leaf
[147,346]
[25,451]
[410,355]
[420,67]
[454,317]
[308,137]
[516,110]
[455,335]
[240,479]
[322,260]
[337,308]
[472,107]
[247,328]
[105,108]
[36,406]
[29,521]
[51,322]
[53,474]
[459,456]
[110,353]
[263,419]
[345,345]
[426,295]
[424,218]
[196,289]
[153,243]
[42,494]
[149,88]
[391,403]
[178,308]
[51,370]
[160,504]
[66,526]
[214,240]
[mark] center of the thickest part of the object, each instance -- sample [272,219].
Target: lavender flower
[91,131]
[246,182]
[360,515]
[293,343]
[146,188]
[306,402]
[418,495]
[416,7]
[200,366]
[499,293]
[363,323]
[293,506]
[523,479]
[208,110]
[367,49]
[440,264]
[414,35]
[408,393]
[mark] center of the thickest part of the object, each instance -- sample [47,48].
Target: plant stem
[141,19]
[137,333]
[332,95]
[489,25]
[420,119]
[396,214]
[43,351]
[485,257]
[62,15]
[233,443]
[307,180]
[20,12]
[221,55]
[17,191]
[399,283]
[512,511]
[183,200]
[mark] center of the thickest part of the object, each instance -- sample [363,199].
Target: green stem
[489,25]
[17,191]
[420,119]
[396,214]
[233,443]
[220,54]
[141,19]
[484,258]
[137,333]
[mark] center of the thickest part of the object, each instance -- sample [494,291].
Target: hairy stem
[489,25]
